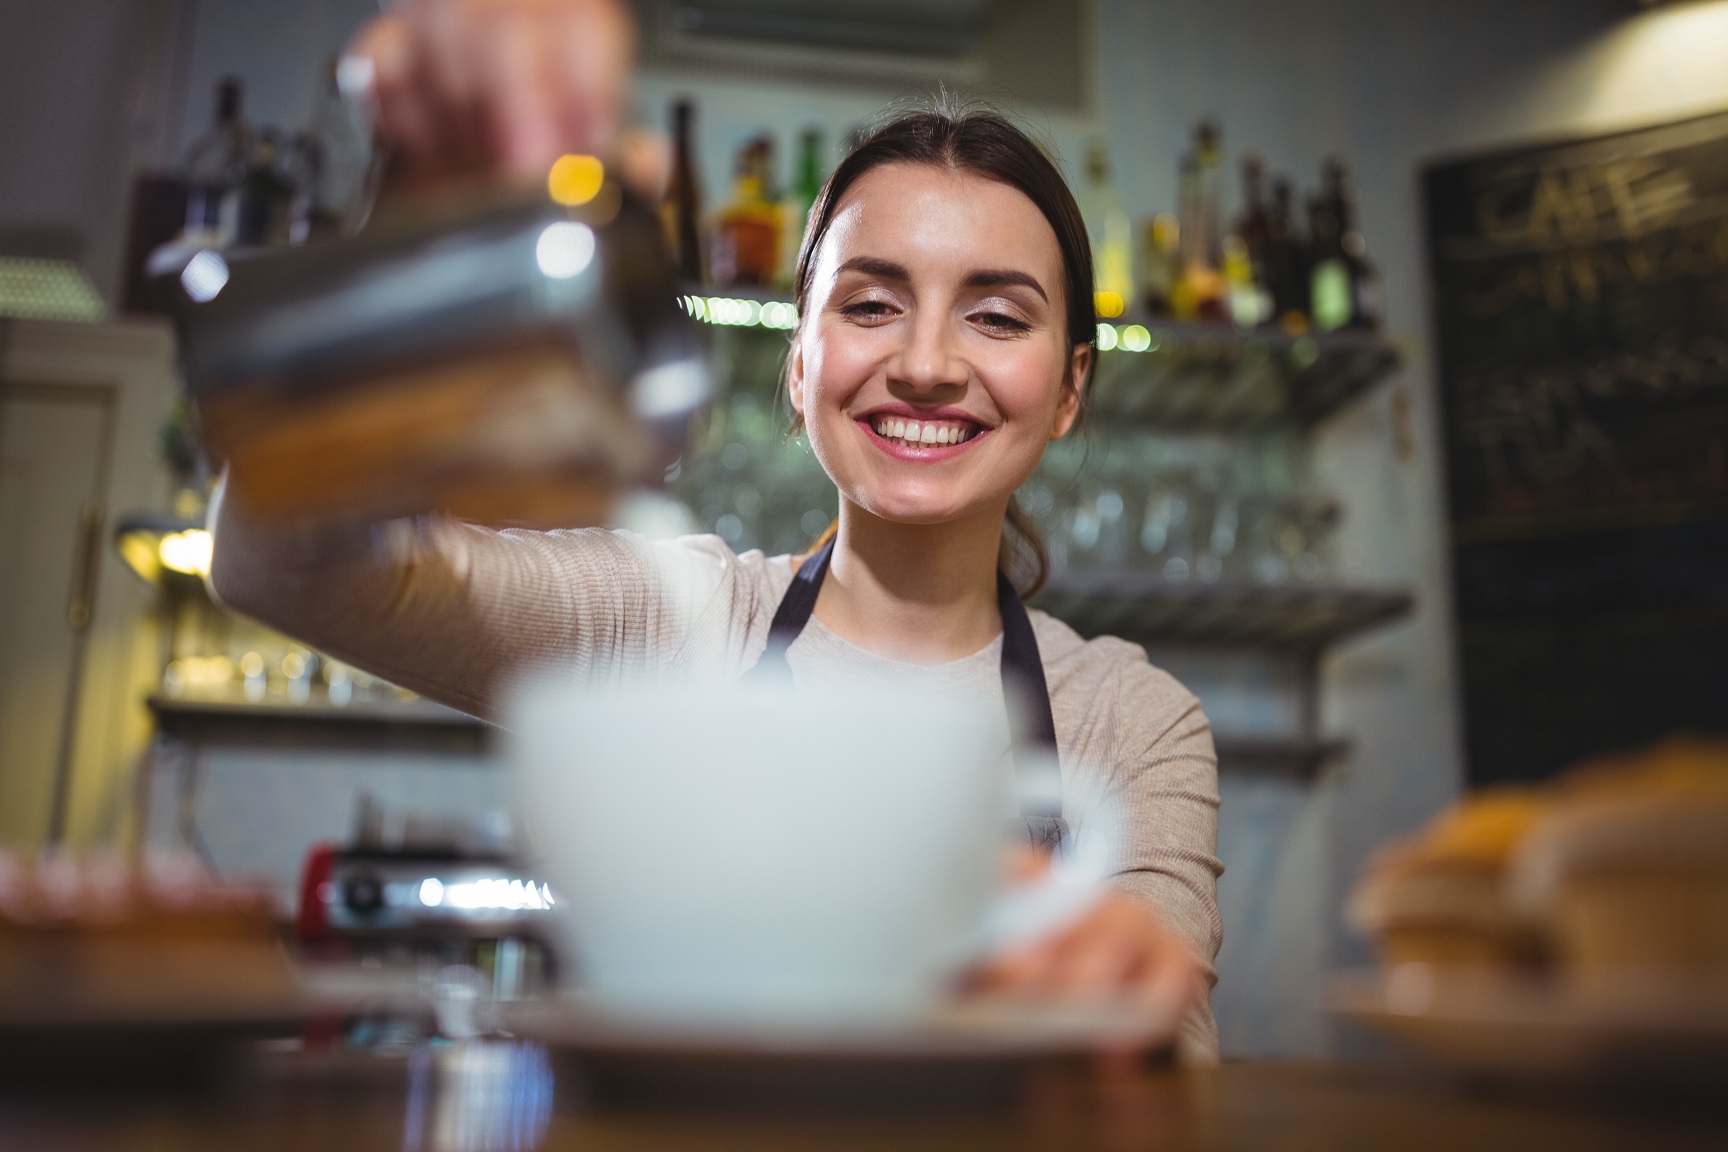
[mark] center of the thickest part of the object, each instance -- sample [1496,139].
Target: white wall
[278,47]
[64,75]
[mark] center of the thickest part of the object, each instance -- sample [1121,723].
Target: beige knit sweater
[450,610]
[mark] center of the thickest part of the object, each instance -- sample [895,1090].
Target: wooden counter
[419,1104]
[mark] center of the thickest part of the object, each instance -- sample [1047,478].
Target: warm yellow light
[1109,304]
[575,179]
[187,552]
[139,552]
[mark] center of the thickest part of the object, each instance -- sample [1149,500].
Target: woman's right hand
[493,89]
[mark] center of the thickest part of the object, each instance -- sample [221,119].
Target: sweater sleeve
[1139,768]
[1165,784]
[454,611]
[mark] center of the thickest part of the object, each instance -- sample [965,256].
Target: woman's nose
[930,360]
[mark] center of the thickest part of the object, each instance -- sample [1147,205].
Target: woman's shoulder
[1107,677]
[1113,707]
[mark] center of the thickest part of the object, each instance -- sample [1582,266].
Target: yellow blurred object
[1482,828]
[1440,896]
[1629,868]
[1109,304]
[1618,870]
[1681,765]
[141,554]
[575,180]
[187,552]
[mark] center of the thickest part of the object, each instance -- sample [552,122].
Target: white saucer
[980,1029]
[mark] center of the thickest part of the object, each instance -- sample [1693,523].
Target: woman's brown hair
[984,143]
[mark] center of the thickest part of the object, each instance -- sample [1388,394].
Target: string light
[1129,338]
[735,313]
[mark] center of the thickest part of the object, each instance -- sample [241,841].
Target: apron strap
[1023,683]
[795,610]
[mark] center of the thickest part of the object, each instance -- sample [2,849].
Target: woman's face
[933,362]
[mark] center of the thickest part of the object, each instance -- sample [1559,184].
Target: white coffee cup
[755,855]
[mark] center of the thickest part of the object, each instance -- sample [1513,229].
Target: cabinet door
[54,444]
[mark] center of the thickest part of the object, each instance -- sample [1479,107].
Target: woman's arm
[1139,747]
[453,611]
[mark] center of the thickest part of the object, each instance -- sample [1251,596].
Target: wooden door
[55,442]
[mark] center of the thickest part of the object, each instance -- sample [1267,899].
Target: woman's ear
[1068,406]
[795,377]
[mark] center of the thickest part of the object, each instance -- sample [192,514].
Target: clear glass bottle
[214,165]
[1111,236]
[1200,294]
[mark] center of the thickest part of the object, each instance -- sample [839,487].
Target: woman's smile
[906,433]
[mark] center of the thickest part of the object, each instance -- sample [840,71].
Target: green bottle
[806,186]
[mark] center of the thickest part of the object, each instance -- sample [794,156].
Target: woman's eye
[867,310]
[1000,322]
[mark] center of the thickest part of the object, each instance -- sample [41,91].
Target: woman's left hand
[1117,949]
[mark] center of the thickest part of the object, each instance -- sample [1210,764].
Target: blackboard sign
[1581,297]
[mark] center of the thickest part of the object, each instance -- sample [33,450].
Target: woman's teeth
[917,433]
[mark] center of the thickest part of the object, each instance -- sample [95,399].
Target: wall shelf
[1287,757]
[1210,377]
[400,725]
[1147,609]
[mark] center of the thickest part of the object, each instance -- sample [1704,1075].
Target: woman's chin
[914,507]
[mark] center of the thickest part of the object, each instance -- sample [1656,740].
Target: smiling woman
[912,212]
[944,338]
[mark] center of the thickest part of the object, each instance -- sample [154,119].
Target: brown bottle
[747,234]
[681,211]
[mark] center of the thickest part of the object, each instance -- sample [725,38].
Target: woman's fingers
[591,64]
[466,88]
[1117,949]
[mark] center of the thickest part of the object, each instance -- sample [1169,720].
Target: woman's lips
[914,439]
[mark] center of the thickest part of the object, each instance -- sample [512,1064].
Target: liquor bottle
[681,211]
[747,234]
[1287,262]
[1249,304]
[800,199]
[1338,288]
[214,164]
[1111,236]
[1246,268]
[328,163]
[264,196]
[1200,293]
[1160,263]
[1365,290]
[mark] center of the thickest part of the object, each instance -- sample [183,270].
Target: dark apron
[1040,821]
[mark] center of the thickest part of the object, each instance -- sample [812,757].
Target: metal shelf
[406,725]
[1211,377]
[1289,757]
[418,712]
[1146,609]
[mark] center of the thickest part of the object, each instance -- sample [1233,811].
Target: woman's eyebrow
[1002,277]
[982,278]
[876,266]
